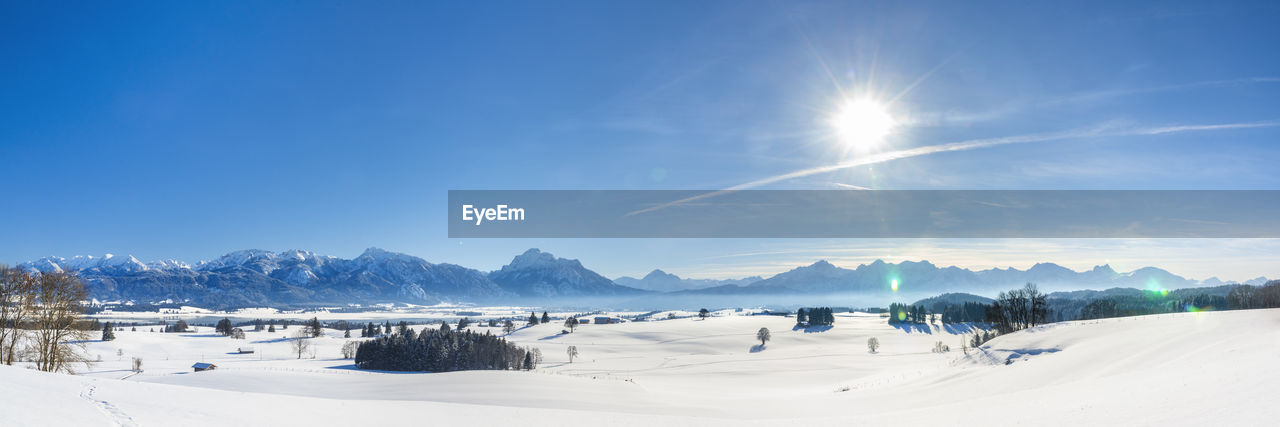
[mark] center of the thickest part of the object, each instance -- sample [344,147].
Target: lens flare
[893,284]
[1154,287]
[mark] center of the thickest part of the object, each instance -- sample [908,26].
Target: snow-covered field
[1188,368]
[410,313]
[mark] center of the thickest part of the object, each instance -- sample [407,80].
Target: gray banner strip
[867,214]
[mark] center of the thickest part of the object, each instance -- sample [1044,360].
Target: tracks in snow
[117,416]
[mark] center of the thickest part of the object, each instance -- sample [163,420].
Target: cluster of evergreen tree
[981,338]
[815,316]
[313,328]
[108,334]
[903,313]
[1245,297]
[442,350]
[1099,309]
[371,330]
[964,313]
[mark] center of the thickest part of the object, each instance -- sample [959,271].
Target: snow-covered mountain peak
[822,264]
[534,258]
[168,264]
[377,253]
[126,263]
[1257,281]
[922,263]
[381,256]
[43,265]
[296,255]
[1104,268]
[657,274]
[1047,266]
[236,259]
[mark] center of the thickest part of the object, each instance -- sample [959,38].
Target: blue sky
[187,130]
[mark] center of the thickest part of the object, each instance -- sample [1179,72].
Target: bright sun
[862,123]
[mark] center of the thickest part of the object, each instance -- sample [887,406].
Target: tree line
[1012,310]
[969,312]
[1237,297]
[1027,307]
[443,350]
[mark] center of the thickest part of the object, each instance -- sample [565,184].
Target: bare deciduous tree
[137,364]
[56,337]
[349,349]
[17,296]
[301,343]
[572,351]
[873,344]
[763,336]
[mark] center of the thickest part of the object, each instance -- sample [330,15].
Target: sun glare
[862,123]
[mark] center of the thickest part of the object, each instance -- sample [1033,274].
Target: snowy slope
[1174,369]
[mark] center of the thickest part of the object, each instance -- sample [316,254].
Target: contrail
[961,146]
[1192,128]
[851,186]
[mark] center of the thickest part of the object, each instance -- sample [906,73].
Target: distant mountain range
[923,277]
[540,274]
[300,278]
[661,281]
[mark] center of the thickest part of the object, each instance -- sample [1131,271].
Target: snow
[1186,368]
[125,263]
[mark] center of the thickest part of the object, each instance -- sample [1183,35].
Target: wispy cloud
[1079,97]
[1105,129]
[1113,93]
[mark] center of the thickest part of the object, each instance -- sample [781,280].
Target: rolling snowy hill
[1173,369]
